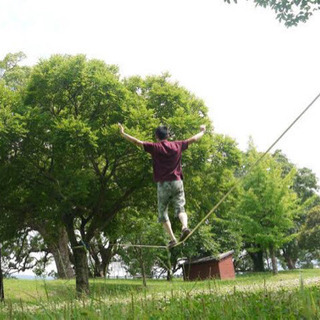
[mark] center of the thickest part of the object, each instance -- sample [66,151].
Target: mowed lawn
[288,295]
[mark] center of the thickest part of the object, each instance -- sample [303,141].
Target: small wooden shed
[220,267]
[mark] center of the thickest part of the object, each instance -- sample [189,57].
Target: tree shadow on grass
[98,289]
[115,289]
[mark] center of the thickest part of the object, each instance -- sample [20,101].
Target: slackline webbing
[124,245]
[238,180]
[249,170]
[139,245]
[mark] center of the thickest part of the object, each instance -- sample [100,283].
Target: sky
[254,74]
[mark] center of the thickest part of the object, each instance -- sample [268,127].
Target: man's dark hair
[162,132]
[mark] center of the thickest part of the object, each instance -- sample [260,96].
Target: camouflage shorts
[170,192]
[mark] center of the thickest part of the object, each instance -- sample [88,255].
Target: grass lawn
[289,295]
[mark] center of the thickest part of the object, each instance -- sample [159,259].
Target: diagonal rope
[238,181]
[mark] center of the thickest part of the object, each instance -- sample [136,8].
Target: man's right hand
[129,138]
[203,128]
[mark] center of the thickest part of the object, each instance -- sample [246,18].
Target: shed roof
[211,258]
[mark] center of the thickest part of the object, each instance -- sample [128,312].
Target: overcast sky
[254,74]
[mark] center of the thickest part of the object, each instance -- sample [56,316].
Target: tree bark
[81,270]
[97,271]
[79,256]
[101,264]
[257,259]
[1,277]
[57,242]
[291,263]
[289,256]
[106,255]
[61,255]
[142,266]
[273,261]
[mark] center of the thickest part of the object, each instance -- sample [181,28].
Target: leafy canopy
[291,12]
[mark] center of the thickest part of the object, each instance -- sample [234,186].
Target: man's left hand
[121,128]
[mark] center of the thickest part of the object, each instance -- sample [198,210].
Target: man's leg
[168,229]
[183,219]
[179,202]
[164,193]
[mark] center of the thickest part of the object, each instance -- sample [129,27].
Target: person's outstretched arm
[198,135]
[129,138]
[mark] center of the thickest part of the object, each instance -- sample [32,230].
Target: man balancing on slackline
[167,173]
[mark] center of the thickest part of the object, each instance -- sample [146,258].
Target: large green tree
[305,185]
[15,218]
[310,232]
[78,172]
[267,205]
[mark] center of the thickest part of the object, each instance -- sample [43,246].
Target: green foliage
[63,163]
[138,226]
[310,232]
[267,205]
[305,181]
[12,130]
[291,12]
[74,167]
[11,73]
[26,251]
[305,186]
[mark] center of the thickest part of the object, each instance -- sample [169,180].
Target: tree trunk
[169,266]
[267,258]
[57,241]
[142,266]
[289,256]
[82,270]
[257,259]
[273,261]
[79,257]
[97,268]
[107,255]
[61,255]
[291,263]
[1,277]
[143,271]
[101,264]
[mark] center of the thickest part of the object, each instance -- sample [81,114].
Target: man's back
[166,156]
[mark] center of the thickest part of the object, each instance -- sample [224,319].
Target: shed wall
[204,270]
[222,269]
[226,268]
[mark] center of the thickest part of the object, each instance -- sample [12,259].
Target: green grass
[289,295]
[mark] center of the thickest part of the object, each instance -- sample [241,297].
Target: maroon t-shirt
[166,156]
